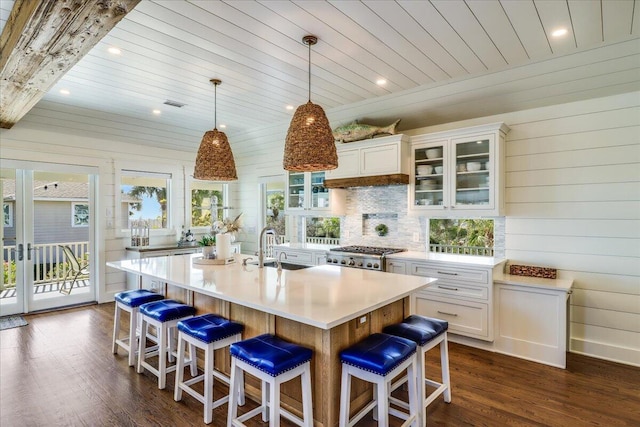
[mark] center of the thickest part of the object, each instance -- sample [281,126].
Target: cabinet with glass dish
[305,191]
[459,171]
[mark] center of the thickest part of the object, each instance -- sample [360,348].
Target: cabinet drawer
[297,257]
[450,273]
[464,317]
[458,290]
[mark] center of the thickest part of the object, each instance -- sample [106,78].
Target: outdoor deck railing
[461,250]
[50,264]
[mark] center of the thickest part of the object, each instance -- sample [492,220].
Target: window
[7,213]
[274,203]
[207,198]
[322,230]
[462,236]
[144,198]
[79,215]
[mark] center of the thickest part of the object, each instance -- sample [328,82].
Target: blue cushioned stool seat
[271,354]
[209,327]
[274,362]
[137,297]
[209,333]
[130,301]
[166,310]
[378,353]
[379,359]
[419,329]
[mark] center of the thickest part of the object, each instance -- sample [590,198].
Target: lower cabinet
[300,256]
[465,317]
[398,267]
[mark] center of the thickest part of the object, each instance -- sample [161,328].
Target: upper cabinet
[305,191]
[459,171]
[378,156]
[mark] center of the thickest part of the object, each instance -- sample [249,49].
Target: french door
[46,207]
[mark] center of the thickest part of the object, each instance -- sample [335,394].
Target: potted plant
[382,229]
[208,243]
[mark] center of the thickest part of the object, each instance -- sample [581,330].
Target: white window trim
[9,217]
[150,169]
[189,179]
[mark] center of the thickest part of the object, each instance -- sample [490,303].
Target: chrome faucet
[279,261]
[264,231]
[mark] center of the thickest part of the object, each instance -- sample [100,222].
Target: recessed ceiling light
[157,112]
[289,107]
[559,32]
[223,126]
[381,82]
[65,91]
[114,50]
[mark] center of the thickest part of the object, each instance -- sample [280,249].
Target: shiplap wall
[573,196]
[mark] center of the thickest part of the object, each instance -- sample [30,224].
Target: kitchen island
[326,308]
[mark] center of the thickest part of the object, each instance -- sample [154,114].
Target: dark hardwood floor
[59,371]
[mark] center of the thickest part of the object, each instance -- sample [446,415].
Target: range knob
[343,262]
[352,262]
[360,264]
[376,265]
[368,265]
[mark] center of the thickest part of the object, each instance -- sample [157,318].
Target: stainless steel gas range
[367,257]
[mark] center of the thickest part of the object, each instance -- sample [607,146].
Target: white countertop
[323,296]
[538,282]
[470,260]
[306,246]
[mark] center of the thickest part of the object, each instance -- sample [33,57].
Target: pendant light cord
[215,106]
[309,44]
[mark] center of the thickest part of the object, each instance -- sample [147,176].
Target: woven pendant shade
[310,145]
[214,161]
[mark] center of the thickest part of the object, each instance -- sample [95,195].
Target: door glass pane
[9,303]
[319,194]
[61,219]
[429,175]
[472,173]
[296,189]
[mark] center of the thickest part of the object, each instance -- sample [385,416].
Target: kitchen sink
[286,265]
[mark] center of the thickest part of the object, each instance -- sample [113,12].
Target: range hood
[368,181]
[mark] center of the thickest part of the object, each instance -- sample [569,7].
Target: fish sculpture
[357,131]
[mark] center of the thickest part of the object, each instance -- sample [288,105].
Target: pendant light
[310,145]
[215,159]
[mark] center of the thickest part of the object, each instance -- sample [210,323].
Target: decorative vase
[208,252]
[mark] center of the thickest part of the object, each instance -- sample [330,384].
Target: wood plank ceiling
[170,50]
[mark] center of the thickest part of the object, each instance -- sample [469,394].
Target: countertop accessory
[533,271]
[309,145]
[214,161]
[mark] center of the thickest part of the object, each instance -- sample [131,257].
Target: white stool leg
[193,360]
[383,403]
[345,397]
[307,405]
[208,383]
[241,388]
[265,401]
[274,404]
[133,324]
[444,361]
[163,336]
[236,373]
[415,404]
[141,344]
[177,393]
[116,328]
[421,386]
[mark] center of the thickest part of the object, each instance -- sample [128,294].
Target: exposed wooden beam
[367,181]
[42,40]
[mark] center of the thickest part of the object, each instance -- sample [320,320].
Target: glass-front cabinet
[305,191]
[459,171]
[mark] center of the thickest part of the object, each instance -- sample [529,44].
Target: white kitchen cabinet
[305,191]
[459,172]
[532,317]
[378,156]
[399,267]
[463,296]
[300,255]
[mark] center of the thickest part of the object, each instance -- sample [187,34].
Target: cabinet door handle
[292,256]
[447,273]
[448,314]
[448,288]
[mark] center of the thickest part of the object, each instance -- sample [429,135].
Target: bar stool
[378,359]
[164,315]
[427,333]
[130,301]
[273,361]
[209,333]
